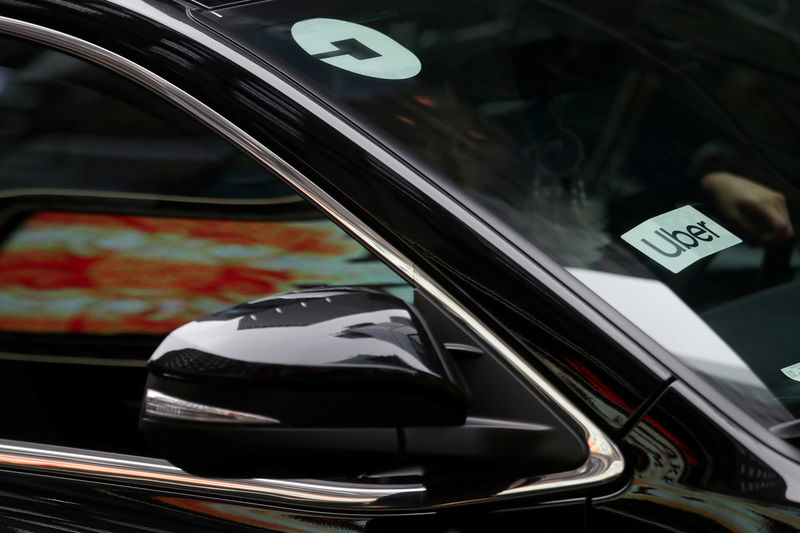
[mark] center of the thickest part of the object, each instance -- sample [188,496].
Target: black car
[359,265]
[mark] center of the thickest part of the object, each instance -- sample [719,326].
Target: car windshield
[650,148]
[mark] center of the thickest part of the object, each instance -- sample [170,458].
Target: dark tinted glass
[572,126]
[69,125]
[122,218]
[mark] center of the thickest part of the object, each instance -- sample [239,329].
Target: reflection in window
[79,273]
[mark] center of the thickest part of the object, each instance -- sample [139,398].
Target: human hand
[757,213]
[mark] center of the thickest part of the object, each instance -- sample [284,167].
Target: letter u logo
[677,249]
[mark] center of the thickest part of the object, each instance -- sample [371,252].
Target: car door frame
[605,465]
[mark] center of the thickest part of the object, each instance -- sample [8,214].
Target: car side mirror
[304,382]
[326,382]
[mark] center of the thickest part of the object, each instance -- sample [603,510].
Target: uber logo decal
[680,237]
[356,48]
[792,371]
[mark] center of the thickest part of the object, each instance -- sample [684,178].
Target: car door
[98,174]
[123,219]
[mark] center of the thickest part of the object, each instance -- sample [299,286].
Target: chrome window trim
[118,195]
[605,461]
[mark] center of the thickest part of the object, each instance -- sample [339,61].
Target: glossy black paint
[336,371]
[523,300]
[392,198]
[368,355]
[42,503]
[365,355]
[690,475]
[350,380]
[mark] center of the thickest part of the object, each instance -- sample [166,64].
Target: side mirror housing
[312,382]
[342,382]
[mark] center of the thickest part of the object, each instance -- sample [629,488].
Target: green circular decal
[356,48]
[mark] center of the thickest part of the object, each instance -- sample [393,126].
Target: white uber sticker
[356,48]
[679,237]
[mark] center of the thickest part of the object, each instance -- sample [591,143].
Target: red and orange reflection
[63,272]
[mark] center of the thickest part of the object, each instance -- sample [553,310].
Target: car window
[650,149]
[121,219]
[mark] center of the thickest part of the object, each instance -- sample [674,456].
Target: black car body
[661,447]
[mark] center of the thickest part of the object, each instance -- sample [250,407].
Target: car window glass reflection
[592,131]
[122,219]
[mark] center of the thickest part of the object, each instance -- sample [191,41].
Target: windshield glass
[651,148]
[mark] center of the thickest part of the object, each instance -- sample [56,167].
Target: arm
[757,213]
